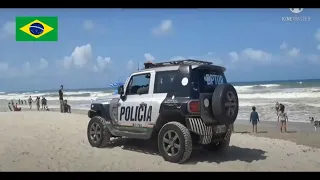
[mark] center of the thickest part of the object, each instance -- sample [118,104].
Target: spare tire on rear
[225,104]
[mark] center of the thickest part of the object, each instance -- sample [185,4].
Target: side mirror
[120,90]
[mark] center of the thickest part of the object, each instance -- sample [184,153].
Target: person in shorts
[283,118]
[254,118]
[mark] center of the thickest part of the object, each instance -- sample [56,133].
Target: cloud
[294,52]
[102,62]
[149,57]
[4,66]
[26,65]
[43,63]
[8,29]
[79,57]
[233,56]
[95,68]
[314,58]
[317,35]
[209,53]
[88,25]
[255,55]
[164,28]
[177,58]
[130,64]
[284,45]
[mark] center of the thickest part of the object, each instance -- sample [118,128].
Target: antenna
[138,66]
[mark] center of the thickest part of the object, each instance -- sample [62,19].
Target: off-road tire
[185,141]
[221,147]
[218,103]
[105,135]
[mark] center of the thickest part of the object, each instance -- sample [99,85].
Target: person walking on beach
[61,99]
[254,118]
[30,102]
[283,118]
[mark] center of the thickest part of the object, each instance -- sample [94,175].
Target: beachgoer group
[14,106]
[281,114]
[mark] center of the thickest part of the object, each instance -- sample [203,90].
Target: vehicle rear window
[170,82]
[207,80]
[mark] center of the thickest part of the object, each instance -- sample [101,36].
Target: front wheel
[98,133]
[174,142]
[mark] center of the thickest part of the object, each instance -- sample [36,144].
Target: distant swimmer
[25,102]
[61,99]
[19,101]
[30,102]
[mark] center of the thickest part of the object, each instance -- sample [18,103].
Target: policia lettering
[136,113]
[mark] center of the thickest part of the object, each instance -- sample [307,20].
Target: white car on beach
[181,103]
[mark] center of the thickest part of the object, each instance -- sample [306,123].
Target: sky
[100,46]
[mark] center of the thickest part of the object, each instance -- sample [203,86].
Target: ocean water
[301,98]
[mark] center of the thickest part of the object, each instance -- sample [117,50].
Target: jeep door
[134,112]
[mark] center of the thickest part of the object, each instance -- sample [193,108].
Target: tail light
[194,106]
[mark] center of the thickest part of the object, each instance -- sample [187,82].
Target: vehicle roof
[174,65]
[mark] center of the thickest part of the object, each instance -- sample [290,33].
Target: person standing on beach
[61,99]
[283,118]
[43,104]
[254,118]
[38,103]
[30,102]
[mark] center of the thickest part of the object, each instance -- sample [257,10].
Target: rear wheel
[174,142]
[98,133]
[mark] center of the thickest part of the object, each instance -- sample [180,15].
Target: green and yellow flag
[36,28]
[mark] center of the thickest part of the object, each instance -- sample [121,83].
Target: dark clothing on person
[66,107]
[62,108]
[254,117]
[60,95]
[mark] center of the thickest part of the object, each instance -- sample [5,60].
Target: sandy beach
[51,141]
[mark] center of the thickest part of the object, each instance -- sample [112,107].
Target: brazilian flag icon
[36,28]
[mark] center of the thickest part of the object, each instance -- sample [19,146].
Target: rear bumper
[207,133]
[92,113]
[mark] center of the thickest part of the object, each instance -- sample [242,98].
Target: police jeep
[180,103]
